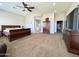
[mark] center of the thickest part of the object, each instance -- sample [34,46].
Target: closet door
[46,26]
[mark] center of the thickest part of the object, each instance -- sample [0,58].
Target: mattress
[7,30]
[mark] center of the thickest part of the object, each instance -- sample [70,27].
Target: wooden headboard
[3,27]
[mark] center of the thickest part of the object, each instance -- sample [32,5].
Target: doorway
[37,26]
[46,26]
[59,26]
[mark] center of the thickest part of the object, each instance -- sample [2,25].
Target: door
[46,26]
[37,26]
[59,26]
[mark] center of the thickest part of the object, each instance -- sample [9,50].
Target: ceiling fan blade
[31,7]
[29,10]
[25,5]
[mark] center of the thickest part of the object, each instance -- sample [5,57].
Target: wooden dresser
[71,31]
[72,41]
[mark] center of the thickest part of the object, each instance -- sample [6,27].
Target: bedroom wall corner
[7,18]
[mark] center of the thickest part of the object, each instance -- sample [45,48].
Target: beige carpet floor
[38,45]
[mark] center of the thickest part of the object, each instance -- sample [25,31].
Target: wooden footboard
[16,34]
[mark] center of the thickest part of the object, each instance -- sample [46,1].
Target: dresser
[72,41]
[71,31]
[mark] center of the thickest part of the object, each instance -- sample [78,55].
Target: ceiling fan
[25,6]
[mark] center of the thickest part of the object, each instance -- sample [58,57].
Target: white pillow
[9,28]
[18,28]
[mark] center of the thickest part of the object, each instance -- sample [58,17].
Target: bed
[13,32]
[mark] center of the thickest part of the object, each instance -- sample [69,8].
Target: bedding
[13,32]
[8,29]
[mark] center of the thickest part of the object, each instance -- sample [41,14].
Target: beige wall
[29,23]
[7,18]
[59,17]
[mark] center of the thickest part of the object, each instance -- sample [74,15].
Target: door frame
[35,26]
[56,25]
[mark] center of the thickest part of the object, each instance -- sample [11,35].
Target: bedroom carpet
[38,45]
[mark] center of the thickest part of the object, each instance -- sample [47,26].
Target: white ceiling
[40,7]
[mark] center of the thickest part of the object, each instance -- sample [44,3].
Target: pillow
[9,28]
[17,28]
